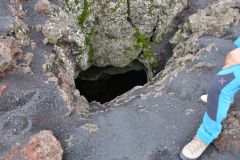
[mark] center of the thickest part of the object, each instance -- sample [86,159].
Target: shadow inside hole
[109,87]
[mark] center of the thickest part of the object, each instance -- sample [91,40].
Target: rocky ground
[42,116]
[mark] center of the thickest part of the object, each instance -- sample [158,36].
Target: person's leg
[220,96]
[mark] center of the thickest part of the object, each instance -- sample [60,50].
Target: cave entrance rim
[103,84]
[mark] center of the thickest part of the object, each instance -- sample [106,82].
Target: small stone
[33,45]
[45,41]
[50,74]
[44,67]
[53,79]
[76,93]
[2,89]
[142,109]
[28,57]
[92,128]
[82,104]
[189,111]
[42,6]
[6,57]
[38,27]
[26,70]
[2,74]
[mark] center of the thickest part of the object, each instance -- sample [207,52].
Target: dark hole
[105,89]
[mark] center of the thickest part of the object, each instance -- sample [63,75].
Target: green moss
[77,1]
[140,38]
[149,56]
[85,13]
[90,54]
[88,43]
[54,41]
[66,2]
[114,10]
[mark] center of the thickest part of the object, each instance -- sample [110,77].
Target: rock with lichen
[63,31]
[20,30]
[213,20]
[109,32]
[43,6]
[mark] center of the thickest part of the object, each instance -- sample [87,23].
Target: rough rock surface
[20,30]
[110,33]
[229,139]
[2,89]
[9,52]
[42,6]
[214,20]
[154,121]
[41,146]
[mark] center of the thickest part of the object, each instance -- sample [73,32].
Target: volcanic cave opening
[107,87]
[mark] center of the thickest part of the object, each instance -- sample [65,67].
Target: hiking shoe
[193,149]
[203,98]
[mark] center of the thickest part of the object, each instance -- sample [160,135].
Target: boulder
[211,21]
[109,32]
[41,146]
[9,52]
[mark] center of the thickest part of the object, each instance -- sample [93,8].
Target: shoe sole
[185,158]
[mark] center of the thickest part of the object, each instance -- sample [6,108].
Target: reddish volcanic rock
[230,136]
[2,89]
[9,51]
[41,146]
[2,74]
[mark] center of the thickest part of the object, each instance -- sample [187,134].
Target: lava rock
[229,140]
[2,74]
[109,33]
[19,29]
[6,57]
[41,146]
[43,6]
[2,88]
[212,21]
[9,52]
